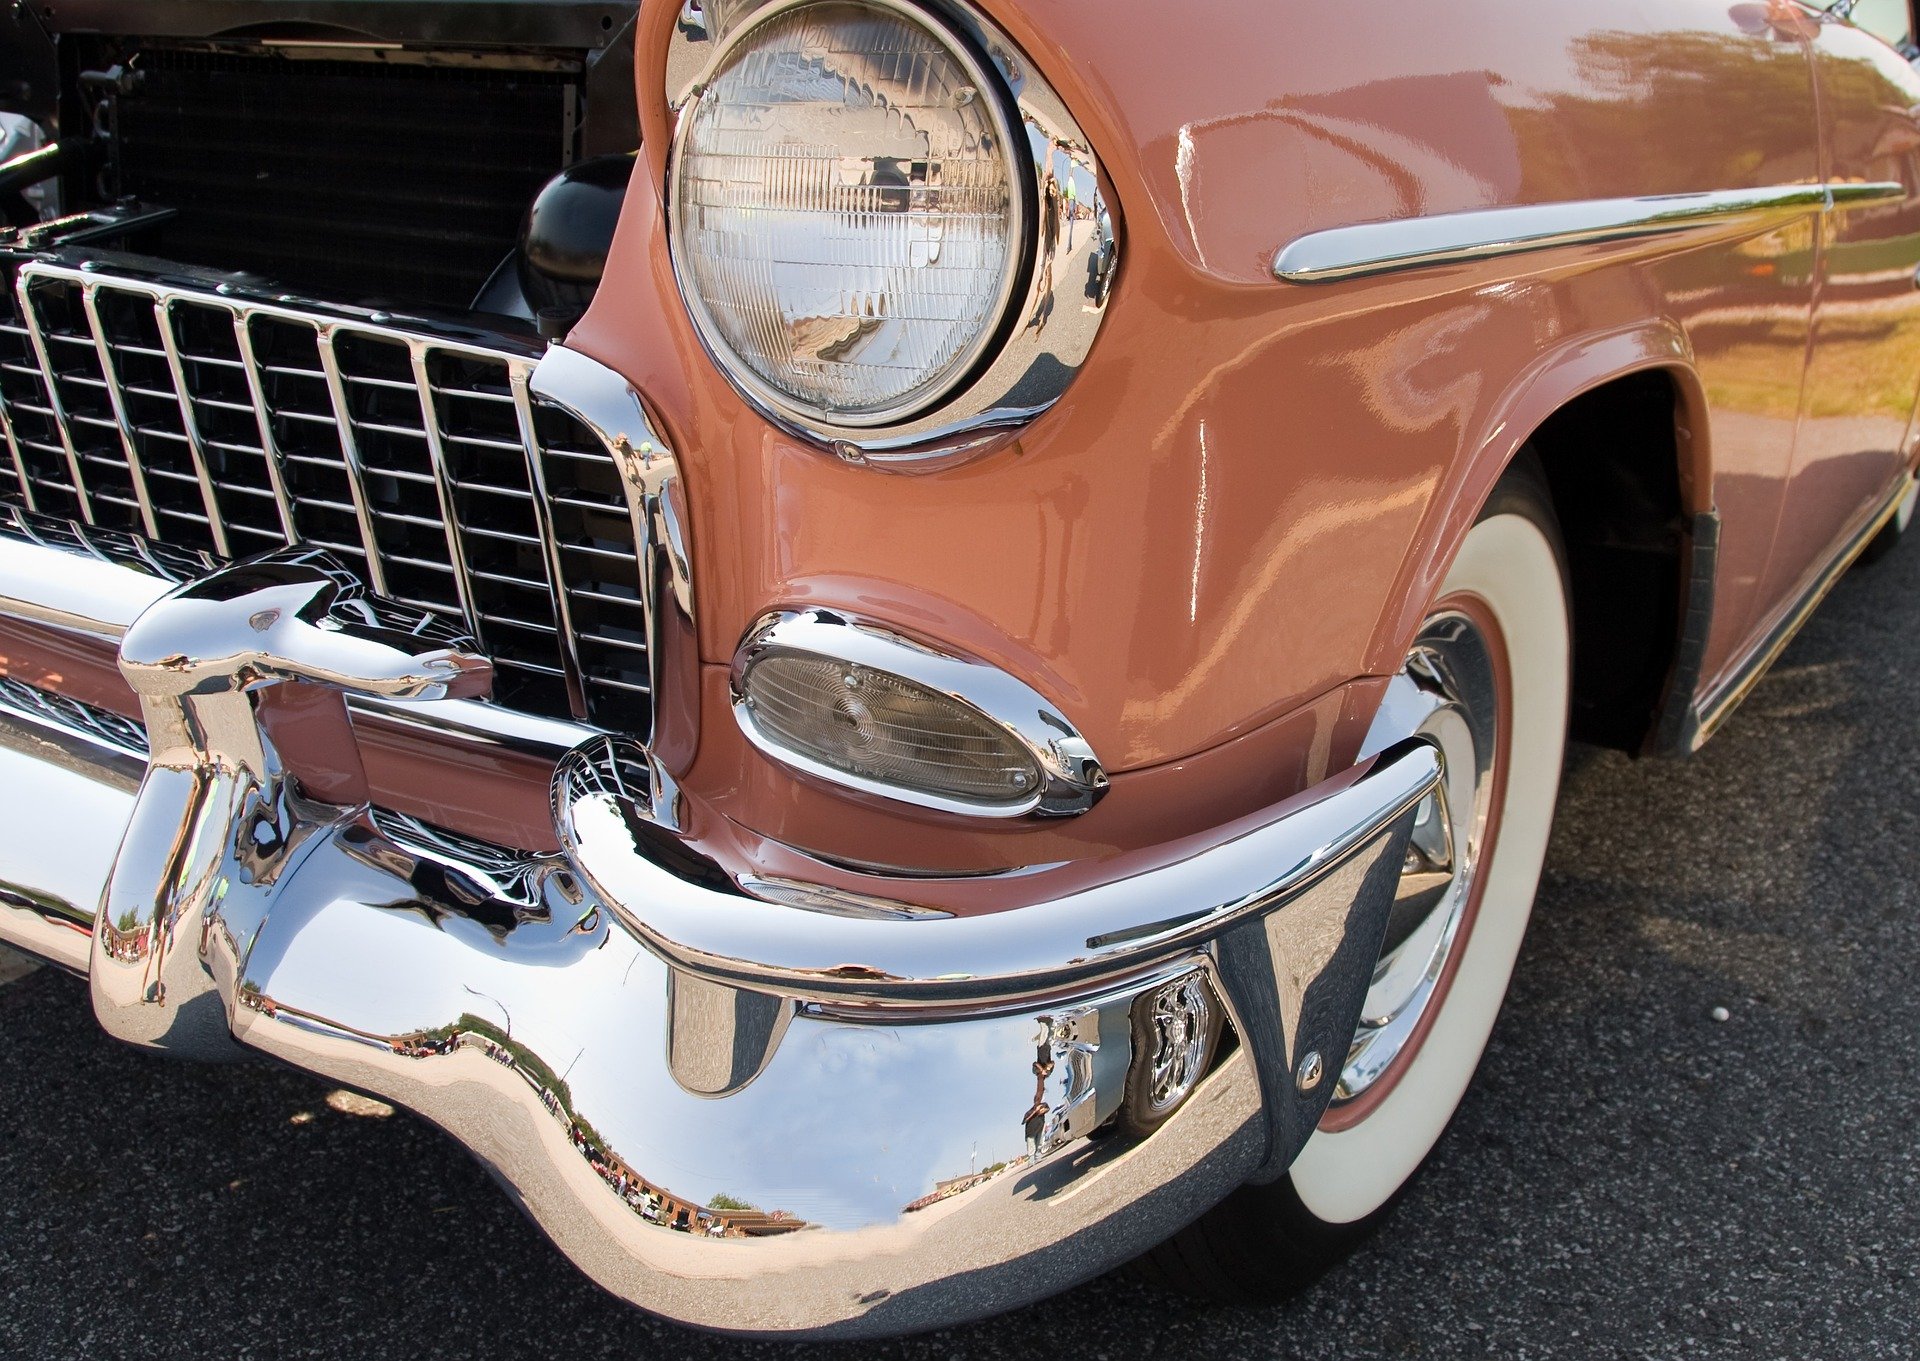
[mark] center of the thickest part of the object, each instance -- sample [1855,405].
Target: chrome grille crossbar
[205,417]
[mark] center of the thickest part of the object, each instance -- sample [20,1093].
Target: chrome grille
[228,425]
[594,534]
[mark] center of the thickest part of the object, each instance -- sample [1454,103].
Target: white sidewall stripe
[1346,1175]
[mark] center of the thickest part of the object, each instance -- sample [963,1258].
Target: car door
[1864,360]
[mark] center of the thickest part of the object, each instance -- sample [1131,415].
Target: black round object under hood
[569,230]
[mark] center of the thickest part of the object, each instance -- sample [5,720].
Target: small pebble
[1721,1014]
[352,1103]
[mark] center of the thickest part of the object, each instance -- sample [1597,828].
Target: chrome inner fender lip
[1448,692]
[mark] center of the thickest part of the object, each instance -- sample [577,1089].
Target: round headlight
[846,210]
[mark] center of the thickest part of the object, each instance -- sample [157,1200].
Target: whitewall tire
[1487,679]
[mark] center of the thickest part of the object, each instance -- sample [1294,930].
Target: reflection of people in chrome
[1036,1125]
[1035,1120]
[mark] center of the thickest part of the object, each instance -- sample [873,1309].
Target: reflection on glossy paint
[1291,541]
[1199,529]
[1223,142]
[1861,375]
[1183,172]
[1413,378]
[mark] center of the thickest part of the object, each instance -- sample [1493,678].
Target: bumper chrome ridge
[738,1104]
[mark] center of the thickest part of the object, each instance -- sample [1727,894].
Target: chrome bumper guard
[754,1109]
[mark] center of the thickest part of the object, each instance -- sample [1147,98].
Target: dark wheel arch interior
[1612,463]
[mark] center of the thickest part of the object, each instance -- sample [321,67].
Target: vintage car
[897,651]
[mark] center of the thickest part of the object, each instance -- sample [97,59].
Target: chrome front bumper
[753,1108]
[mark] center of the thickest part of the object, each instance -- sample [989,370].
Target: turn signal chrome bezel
[1071,779]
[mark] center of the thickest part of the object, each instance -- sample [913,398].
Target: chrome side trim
[1713,706]
[1370,248]
[1075,249]
[1072,778]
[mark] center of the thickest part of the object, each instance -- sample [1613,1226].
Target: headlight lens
[845,211]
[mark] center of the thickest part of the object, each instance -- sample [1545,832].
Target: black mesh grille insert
[349,179]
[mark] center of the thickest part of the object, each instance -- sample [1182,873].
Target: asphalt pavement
[1696,1133]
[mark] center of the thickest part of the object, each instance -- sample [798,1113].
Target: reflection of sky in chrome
[836,1099]
[848,1124]
[970,1085]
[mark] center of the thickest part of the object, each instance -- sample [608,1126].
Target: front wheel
[1487,680]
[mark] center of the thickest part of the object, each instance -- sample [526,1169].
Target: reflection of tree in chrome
[720,1216]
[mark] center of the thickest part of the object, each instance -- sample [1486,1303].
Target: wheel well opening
[1612,463]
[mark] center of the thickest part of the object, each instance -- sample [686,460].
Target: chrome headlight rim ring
[1069,247]
[1072,780]
[998,99]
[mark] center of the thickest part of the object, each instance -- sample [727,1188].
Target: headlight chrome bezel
[1054,296]
[1012,152]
